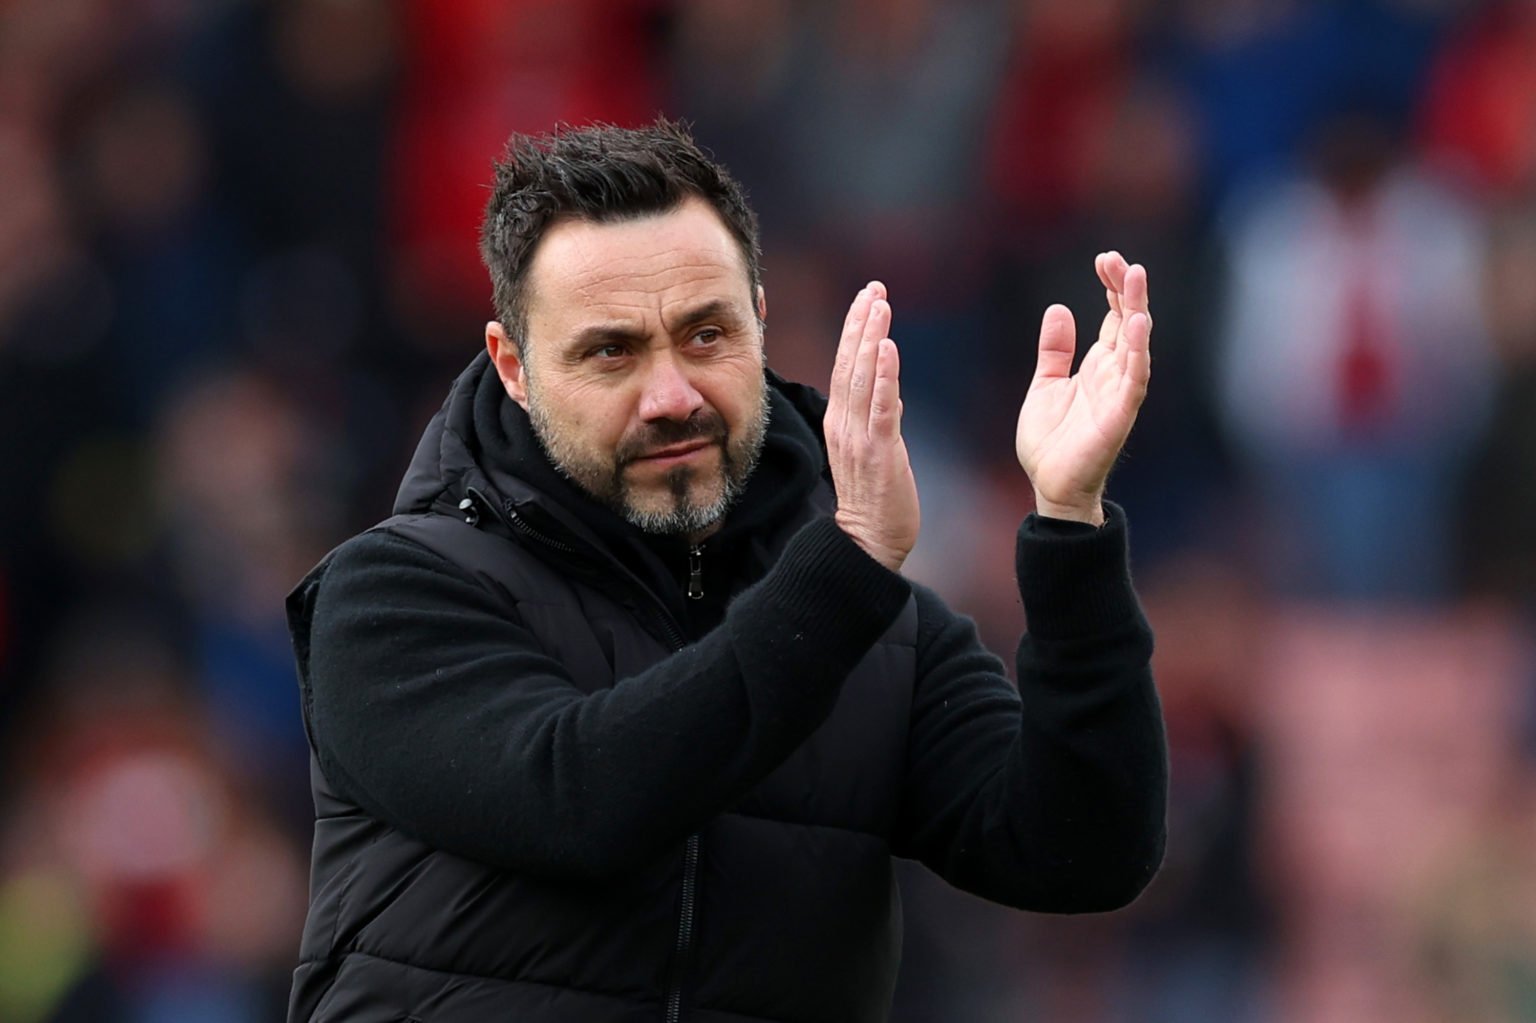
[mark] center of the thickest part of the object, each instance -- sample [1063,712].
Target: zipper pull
[471,513]
[696,572]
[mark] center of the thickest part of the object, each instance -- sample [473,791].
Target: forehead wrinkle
[628,290]
[593,277]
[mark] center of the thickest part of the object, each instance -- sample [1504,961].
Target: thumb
[1058,343]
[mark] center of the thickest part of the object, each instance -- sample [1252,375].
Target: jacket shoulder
[404,548]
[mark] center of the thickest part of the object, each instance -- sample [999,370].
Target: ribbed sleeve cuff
[1075,582]
[834,591]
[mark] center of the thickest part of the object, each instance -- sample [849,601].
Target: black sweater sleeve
[441,716]
[1052,797]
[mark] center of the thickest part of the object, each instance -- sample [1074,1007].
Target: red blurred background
[238,269]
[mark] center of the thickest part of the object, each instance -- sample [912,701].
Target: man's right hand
[876,495]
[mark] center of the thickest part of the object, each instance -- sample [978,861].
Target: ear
[509,363]
[762,305]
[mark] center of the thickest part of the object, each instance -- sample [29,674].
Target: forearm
[1087,790]
[1053,799]
[464,734]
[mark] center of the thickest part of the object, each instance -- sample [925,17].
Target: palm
[1072,426]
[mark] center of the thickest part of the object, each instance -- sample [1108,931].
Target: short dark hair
[604,174]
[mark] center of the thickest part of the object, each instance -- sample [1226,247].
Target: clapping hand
[1072,426]
[876,494]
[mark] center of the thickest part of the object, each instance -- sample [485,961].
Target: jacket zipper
[696,572]
[663,617]
[684,929]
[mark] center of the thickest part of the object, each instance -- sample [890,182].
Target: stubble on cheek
[588,468]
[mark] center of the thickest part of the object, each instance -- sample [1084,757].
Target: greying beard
[605,483]
[685,518]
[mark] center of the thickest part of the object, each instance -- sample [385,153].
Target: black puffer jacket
[551,786]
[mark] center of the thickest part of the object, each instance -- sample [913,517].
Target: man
[625,712]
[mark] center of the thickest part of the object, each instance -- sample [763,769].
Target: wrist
[890,557]
[1090,511]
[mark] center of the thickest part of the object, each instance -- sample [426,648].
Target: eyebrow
[602,333]
[608,333]
[714,309]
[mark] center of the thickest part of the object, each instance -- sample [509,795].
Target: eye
[607,352]
[708,336]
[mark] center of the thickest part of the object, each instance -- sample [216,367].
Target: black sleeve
[439,715]
[1052,797]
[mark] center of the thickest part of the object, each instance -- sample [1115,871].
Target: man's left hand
[1072,426]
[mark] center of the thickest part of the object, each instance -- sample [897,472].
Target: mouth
[675,453]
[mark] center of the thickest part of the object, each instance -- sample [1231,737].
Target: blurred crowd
[238,271]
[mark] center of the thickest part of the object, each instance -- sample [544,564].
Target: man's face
[643,365]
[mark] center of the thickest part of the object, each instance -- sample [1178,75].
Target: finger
[1058,342]
[848,342]
[847,349]
[853,330]
[876,328]
[885,401]
[1115,268]
[1135,290]
[1111,293]
[862,384]
[1138,360]
[1135,303]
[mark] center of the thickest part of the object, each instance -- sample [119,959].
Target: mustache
[664,433]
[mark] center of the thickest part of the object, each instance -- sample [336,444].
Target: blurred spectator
[244,498]
[1498,496]
[37,426]
[1072,68]
[34,241]
[938,65]
[1355,366]
[138,164]
[299,99]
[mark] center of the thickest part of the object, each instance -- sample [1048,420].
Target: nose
[668,393]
